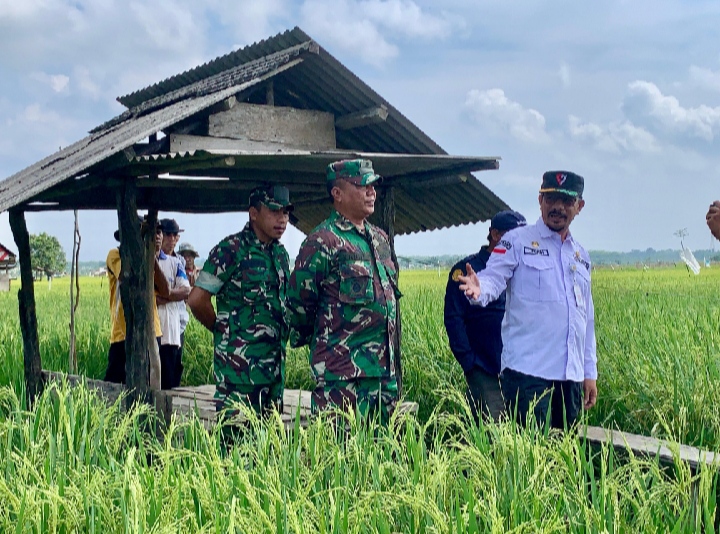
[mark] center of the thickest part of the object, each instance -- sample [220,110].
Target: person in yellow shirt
[116,354]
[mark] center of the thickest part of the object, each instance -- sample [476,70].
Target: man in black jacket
[474,331]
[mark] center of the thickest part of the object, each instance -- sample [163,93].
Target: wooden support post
[26,302]
[386,206]
[136,301]
[153,349]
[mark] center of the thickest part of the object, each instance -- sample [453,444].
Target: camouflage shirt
[249,280]
[343,301]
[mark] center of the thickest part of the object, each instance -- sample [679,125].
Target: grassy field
[72,464]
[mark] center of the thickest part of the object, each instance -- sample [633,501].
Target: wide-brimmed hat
[187,248]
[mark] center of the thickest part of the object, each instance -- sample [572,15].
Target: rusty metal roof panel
[103,143]
[255,51]
[321,79]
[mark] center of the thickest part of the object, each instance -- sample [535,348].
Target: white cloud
[58,82]
[616,137]
[36,132]
[82,79]
[646,104]
[492,109]
[705,78]
[362,38]
[12,10]
[564,74]
[359,27]
[404,17]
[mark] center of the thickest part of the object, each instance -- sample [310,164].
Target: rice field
[72,464]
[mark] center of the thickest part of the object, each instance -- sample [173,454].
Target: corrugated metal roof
[102,144]
[8,259]
[429,191]
[323,84]
[318,82]
[5,250]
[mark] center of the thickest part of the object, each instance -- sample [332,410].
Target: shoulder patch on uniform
[457,273]
[505,243]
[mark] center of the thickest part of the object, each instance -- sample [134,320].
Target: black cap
[507,220]
[565,182]
[170,226]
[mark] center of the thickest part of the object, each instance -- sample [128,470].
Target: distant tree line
[648,257]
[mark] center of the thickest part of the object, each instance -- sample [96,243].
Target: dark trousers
[484,395]
[116,363]
[171,366]
[115,371]
[560,399]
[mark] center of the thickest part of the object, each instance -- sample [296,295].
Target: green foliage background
[46,254]
[73,464]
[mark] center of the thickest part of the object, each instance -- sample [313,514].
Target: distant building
[8,260]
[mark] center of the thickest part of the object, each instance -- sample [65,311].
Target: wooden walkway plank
[199,400]
[648,446]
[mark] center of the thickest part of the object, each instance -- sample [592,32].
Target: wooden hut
[277,111]
[8,260]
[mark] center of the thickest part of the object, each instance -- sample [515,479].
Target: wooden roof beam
[365,117]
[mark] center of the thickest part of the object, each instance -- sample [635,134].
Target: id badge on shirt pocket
[579,300]
[581,282]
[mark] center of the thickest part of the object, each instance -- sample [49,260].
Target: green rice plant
[75,464]
[657,333]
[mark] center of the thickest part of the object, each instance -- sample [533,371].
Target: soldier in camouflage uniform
[343,299]
[248,274]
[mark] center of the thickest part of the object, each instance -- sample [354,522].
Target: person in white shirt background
[548,362]
[173,314]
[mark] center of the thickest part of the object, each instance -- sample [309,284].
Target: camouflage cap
[275,197]
[355,171]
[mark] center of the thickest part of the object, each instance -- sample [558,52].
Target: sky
[625,93]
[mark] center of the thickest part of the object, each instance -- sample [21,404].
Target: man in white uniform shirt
[548,331]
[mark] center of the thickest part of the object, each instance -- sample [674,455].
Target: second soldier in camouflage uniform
[343,299]
[248,274]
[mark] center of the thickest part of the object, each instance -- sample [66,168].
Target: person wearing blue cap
[474,331]
[549,363]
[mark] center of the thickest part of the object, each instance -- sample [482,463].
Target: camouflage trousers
[262,398]
[371,397]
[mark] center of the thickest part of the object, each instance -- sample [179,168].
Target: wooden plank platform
[666,451]
[188,400]
[199,399]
